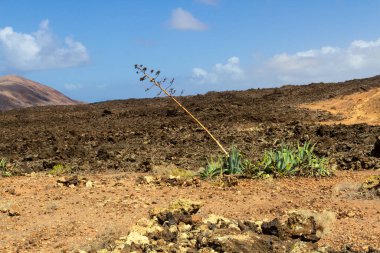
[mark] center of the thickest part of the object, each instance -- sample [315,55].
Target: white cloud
[359,59]
[39,50]
[202,76]
[231,67]
[327,64]
[72,86]
[208,2]
[220,73]
[184,20]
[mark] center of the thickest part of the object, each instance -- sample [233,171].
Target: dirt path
[38,215]
[362,107]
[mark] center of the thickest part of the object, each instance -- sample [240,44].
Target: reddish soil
[109,142]
[55,218]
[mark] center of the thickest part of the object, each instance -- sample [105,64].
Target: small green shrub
[223,165]
[282,162]
[3,163]
[60,169]
[234,164]
[213,168]
[286,161]
[3,168]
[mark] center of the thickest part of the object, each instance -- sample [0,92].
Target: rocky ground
[110,152]
[135,135]
[40,213]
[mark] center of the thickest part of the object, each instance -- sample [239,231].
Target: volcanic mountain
[18,92]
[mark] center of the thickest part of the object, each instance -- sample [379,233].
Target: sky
[88,49]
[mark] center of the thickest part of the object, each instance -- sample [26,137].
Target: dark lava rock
[155,130]
[376,149]
[106,112]
[296,226]
[178,211]
[69,181]
[171,112]
[272,227]
[301,227]
[103,154]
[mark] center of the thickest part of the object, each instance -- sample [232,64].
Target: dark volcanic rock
[296,226]
[376,149]
[138,134]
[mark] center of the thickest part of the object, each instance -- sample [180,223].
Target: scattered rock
[371,186]
[168,181]
[68,181]
[146,180]
[11,191]
[228,181]
[272,227]
[106,112]
[351,214]
[89,184]
[74,181]
[13,213]
[145,166]
[215,221]
[137,238]
[376,148]
[371,183]
[178,211]
[103,154]
[175,229]
[302,227]
[171,112]
[10,212]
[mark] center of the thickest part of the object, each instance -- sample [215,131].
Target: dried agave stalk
[143,70]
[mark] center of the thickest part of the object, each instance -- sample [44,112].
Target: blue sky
[87,49]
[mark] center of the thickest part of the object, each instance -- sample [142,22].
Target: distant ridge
[19,92]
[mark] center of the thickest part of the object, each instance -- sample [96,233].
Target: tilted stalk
[153,80]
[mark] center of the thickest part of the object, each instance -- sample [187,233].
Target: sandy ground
[39,215]
[360,107]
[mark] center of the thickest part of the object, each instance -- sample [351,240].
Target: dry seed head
[141,69]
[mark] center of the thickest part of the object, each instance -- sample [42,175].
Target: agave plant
[267,161]
[318,167]
[3,164]
[254,170]
[288,161]
[283,162]
[3,168]
[280,162]
[233,164]
[305,152]
[213,168]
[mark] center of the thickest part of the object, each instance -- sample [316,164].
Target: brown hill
[18,92]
